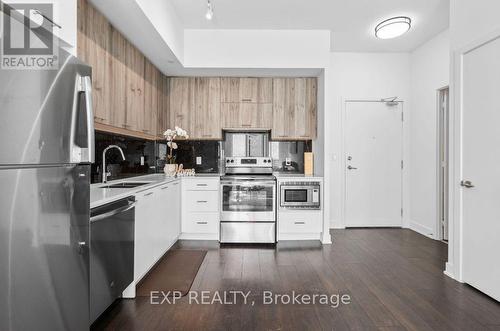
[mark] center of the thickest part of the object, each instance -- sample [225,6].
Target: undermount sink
[126,185]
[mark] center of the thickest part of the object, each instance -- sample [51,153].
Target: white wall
[256,48]
[430,65]
[360,76]
[470,20]
[162,15]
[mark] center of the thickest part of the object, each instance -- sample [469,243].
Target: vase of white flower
[171,135]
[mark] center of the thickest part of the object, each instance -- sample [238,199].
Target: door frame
[439,229]
[343,163]
[454,266]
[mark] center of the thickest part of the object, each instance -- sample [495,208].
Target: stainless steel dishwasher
[111,253]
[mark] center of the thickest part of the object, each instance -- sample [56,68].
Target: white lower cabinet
[157,227]
[300,224]
[200,208]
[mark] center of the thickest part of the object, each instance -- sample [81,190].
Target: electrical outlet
[198,160]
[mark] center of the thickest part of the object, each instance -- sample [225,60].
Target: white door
[373,146]
[481,166]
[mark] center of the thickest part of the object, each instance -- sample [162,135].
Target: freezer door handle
[82,133]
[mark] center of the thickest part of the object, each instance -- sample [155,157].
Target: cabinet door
[230,89]
[163,104]
[144,227]
[93,48]
[162,116]
[282,108]
[118,85]
[294,108]
[135,88]
[181,102]
[265,91]
[207,123]
[230,113]
[249,89]
[150,98]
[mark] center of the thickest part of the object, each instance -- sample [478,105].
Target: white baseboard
[449,271]
[299,236]
[199,236]
[422,229]
[335,224]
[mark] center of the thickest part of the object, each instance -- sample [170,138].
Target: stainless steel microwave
[304,195]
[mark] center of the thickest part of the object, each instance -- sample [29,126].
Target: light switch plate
[142,160]
[198,160]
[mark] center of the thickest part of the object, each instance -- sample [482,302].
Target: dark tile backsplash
[189,151]
[291,151]
[133,148]
[208,152]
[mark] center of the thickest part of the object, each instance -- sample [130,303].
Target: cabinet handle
[164,187]
[148,194]
[246,100]
[246,125]
[200,222]
[300,222]
[201,185]
[202,201]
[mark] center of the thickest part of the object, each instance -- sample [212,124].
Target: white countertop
[281,176]
[100,196]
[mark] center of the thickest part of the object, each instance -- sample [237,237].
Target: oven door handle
[249,185]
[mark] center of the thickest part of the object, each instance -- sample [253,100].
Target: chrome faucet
[105,173]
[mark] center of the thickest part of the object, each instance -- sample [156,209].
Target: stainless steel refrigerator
[46,147]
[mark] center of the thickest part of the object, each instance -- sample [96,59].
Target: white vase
[170,169]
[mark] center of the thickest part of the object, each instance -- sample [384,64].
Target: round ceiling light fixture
[393,27]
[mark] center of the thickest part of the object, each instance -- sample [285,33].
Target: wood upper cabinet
[163,104]
[135,88]
[94,33]
[207,114]
[246,89]
[194,105]
[246,103]
[118,84]
[245,115]
[151,108]
[182,103]
[294,108]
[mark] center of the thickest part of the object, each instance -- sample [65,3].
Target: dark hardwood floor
[394,278]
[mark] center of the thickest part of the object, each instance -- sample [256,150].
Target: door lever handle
[466,183]
[351,168]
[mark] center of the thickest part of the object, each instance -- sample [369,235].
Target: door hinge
[402,164]
[402,117]
[401,212]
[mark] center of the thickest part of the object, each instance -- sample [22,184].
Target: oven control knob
[227,161]
[232,161]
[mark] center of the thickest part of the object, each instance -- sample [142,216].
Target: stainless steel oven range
[300,195]
[248,198]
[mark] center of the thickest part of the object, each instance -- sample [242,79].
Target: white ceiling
[351,21]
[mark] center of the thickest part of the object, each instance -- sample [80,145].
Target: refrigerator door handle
[86,88]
